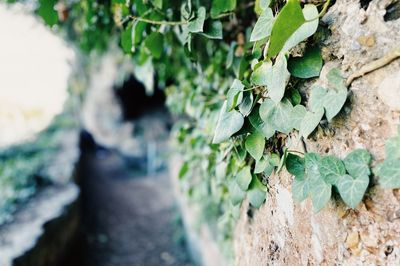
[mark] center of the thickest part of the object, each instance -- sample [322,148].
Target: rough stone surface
[287,233]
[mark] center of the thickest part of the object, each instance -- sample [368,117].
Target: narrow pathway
[128,220]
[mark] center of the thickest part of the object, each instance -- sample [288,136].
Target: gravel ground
[128,219]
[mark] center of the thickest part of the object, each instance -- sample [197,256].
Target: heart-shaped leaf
[263,26]
[255,144]
[320,194]
[307,66]
[357,163]
[282,30]
[352,190]
[228,124]
[243,178]
[310,122]
[389,173]
[331,169]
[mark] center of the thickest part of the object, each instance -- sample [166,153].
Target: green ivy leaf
[310,122]
[278,115]
[295,166]
[357,163]
[126,39]
[300,189]
[389,173]
[212,29]
[317,96]
[311,164]
[247,104]
[263,26]
[221,6]
[257,192]
[352,190]
[261,165]
[243,178]
[235,95]
[261,5]
[255,144]
[157,3]
[236,194]
[259,75]
[392,147]
[298,114]
[47,11]
[197,24]
[282,30]
[228,124]
[277,78]
[320,194]
[303,183]
[331,169]
[256,121]
[184,169]
[155,43]
[307,66]
[310,13]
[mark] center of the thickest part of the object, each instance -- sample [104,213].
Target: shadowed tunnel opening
[134,100]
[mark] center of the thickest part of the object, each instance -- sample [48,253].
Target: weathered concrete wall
[283,232]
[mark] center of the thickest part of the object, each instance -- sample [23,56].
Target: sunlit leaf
[310,122]
[287,22]
[331,169]
[263,26]
[228,124]
[196,25]
[255,144]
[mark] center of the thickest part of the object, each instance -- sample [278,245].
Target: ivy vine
[231,70]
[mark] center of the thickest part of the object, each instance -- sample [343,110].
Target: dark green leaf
[155,43]
[47,11]
[221,6]
[307,66]
[295,166]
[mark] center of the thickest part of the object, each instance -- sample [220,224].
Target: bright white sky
[34,69]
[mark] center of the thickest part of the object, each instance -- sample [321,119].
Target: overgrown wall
[283,232]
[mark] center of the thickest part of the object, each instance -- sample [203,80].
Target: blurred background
[83,148]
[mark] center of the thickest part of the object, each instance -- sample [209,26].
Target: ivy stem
[324,9]
[294,151]
[159,22]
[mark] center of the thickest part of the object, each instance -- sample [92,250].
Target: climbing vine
[238,73]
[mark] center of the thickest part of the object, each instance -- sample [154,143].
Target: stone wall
[283,232]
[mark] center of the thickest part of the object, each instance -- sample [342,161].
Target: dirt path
[128,220]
